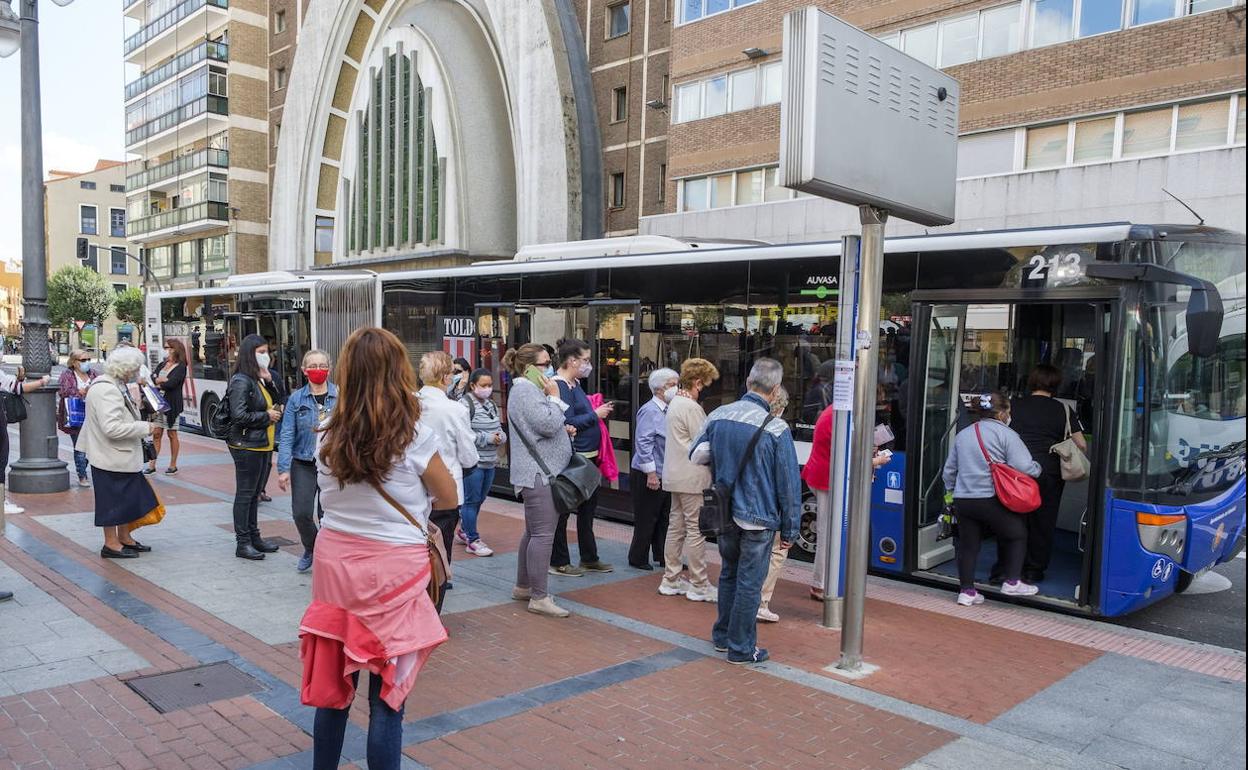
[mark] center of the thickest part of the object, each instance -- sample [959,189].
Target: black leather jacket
[249,416]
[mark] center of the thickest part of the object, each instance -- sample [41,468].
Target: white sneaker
[479,548]
[1019,588]
[546,606]
[766,615]
[708,594]
[12,508]
[679,587]
[969,599]
[461,537]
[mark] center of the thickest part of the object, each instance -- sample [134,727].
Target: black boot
[260,544]
[244,550]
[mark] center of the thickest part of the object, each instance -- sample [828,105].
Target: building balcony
[153,43]
[207,51]
[206,105]
[187,219]
[173,170]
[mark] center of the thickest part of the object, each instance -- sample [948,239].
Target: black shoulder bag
[573,485]
[715,515]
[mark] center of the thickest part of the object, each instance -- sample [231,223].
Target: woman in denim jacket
[306,409]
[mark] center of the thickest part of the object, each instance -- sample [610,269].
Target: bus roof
[278,280]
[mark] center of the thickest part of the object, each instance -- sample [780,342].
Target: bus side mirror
[1204,320]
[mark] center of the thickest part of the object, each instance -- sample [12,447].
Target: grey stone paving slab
[971,754]
[193,558]
[1136,714]
[44,644]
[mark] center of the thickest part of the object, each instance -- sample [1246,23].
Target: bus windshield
[1195,405]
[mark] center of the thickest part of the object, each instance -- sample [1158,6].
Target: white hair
[124,363]
[660,377]
[765,375]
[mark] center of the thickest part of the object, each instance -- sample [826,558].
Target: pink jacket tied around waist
[369,611]
[606,453]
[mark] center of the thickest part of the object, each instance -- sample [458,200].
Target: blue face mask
[549,372]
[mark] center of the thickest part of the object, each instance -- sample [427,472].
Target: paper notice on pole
[843,387]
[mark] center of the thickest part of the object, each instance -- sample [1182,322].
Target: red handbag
[1016,490]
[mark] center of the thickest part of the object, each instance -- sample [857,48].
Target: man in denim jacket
[765,498]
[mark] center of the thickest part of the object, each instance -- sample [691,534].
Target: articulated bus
[963,314]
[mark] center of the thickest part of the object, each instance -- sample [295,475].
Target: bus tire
[1183,582]
[806,532]
[207,408]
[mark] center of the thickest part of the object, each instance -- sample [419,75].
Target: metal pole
[835,503]
[871,274]
[39,469]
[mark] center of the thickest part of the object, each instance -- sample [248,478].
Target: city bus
[293,311]
[964,314]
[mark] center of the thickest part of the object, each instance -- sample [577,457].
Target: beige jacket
[684,423]
[112,436]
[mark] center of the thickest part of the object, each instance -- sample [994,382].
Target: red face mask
[317,376]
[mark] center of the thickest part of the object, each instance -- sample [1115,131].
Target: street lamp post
[39,469]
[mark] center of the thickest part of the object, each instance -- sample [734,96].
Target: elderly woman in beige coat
[112,438]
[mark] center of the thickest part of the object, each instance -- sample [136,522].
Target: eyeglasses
[317,367]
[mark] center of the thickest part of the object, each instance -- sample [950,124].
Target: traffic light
[82,251]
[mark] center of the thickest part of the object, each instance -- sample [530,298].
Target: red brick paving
[704,713]
[966,669]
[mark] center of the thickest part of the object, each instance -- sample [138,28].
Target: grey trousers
[305,503]
[533,558]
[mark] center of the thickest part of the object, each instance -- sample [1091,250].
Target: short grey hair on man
[124,363]
[765,375]
[660,377]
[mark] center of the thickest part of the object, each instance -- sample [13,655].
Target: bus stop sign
[865,124]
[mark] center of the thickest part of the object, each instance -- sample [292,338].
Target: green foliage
[128,305]
[78,293]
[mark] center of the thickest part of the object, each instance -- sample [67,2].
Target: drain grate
[194,686]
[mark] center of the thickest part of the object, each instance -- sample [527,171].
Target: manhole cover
[280,541]
[194,686]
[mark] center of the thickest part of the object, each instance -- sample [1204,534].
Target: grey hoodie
[966,470]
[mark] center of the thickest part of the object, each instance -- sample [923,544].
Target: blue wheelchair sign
[893,480]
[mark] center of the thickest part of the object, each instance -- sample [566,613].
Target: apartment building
[90,206]
[1071,111]
[197,188]
[10,304]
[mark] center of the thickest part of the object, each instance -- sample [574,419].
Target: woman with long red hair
[380,475]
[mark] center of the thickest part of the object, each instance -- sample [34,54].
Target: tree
[79,293]
[129,306]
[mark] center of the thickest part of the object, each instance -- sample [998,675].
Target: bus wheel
[207,409]
[1184,581]
[806,533]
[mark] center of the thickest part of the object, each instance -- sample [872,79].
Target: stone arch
[506,129]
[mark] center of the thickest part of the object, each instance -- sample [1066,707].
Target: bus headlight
[1164,533]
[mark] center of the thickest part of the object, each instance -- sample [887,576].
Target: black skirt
[121,498]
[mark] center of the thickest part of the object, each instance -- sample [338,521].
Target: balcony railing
[217,105]
[178,217]
[177,167]
[177,65]
[167,20]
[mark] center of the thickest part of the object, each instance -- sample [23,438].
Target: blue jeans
[745,555]
[477,482]
[80,458]
[385,732]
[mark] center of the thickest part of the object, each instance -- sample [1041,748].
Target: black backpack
[219,424]
[715,515]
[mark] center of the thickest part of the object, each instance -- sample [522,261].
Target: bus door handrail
[924,495]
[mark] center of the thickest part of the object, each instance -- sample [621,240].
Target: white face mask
[670,394]
[263,360]
[483,393]
[585,370]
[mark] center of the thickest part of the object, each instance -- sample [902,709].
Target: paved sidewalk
[628,681]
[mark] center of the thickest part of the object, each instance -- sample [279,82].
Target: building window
[662,182]
[959,40]
[692,10]
[619,104]
[1149,11]
[119,288]
[117,223]
[732,92]
[1094,140]
[324,238]
[617,191]
[1052,21]
[396,203]
[732,188]
[279,79]
[618,17]
[84,185]
[117,260]
[1147,132]
[186,258]
[86,220]
[117,188]
[279,22]
[1201,125]
[213,258]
